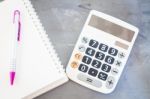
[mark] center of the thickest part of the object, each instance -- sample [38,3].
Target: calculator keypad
[86,59]
[99,55]
[113,51]
[109,60]
[114,71]
[84,40]
[81,48]
[98,60]
[103,47]
[106,68]
[110,82]
[92,72]
[96,64]
[78,56]
[121,55]
[89,80]
[118,63]
[83,68]
[74,64]
[90,51]
[102,76]
[93,43]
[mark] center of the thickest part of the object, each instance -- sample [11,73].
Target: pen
[16,40]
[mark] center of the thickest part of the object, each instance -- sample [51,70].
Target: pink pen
[16,40]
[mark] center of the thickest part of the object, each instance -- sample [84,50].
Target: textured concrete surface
[63,21]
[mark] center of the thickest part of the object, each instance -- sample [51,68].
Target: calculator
[101,52]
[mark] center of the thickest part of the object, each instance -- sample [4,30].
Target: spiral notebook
[38,67]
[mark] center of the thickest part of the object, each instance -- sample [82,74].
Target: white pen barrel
[13,48]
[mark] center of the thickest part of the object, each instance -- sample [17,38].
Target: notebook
[38,68]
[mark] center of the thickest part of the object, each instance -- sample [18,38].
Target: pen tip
[12,77]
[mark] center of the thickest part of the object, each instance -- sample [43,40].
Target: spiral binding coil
[44,36]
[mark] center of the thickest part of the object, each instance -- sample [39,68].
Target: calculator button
[92,72]
[103,47]
[84,40]
[100,55]
[110,82]
[102,76]
[83,68]
[114,71]
[81,48]
[78,56]
[109,59]
[89,80]
[96,64]
[118,63]
[93,43]
[86,59]
[113,51]
[121,55]
[90,51]
[74,64]
[106,67]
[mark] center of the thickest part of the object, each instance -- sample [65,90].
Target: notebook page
[35,66]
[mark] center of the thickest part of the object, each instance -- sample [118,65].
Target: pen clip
[17,14]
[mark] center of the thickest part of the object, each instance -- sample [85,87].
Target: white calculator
[101,52]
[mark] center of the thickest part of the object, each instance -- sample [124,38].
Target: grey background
[63,21]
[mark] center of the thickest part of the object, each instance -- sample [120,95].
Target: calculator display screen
[111,28]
